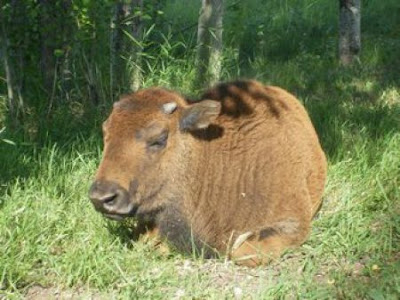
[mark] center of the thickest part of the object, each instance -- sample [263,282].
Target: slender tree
[349,31]
[126,43]
[48,39]
[209,42]
[7,68]
[116,36]
[55,28]
[135,33]
[9,56]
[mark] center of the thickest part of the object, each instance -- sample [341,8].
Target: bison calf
[240,172]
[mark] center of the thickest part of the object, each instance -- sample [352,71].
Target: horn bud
[169,108]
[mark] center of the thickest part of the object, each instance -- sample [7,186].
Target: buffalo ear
[199,115]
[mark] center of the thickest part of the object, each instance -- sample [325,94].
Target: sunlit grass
[51,237]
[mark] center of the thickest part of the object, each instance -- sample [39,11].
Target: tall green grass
[51,237]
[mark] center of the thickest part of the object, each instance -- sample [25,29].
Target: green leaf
[8,142]
[58,52]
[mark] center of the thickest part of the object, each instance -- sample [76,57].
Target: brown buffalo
[239,172]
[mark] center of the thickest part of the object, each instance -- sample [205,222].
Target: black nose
[110,198]
[100,199]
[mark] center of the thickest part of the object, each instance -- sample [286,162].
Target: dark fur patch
[211,133]
[231,99]
[175,228]
[233,94]
[267,232]
[133,187]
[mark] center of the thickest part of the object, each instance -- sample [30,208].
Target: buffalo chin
[115,217]
[120,217]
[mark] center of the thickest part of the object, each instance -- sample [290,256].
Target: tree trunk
[48,33]
[349,31]
[68,30]
[127,42]
[116,45]
[209,43]
[136,45]
[15,103]
[7,68]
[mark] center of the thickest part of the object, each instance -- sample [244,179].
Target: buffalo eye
[158,142]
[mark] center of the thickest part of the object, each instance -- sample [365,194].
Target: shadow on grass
[373,283]
[126,232]
[35,137]
[340,124]
[129,230]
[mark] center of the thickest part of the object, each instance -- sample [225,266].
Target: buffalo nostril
[108,199]
[100,198]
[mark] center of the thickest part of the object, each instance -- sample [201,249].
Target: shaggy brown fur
[240,172]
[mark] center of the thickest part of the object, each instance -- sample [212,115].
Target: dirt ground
[52,293]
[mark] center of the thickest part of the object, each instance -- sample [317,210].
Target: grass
[51,236]
[52,242]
